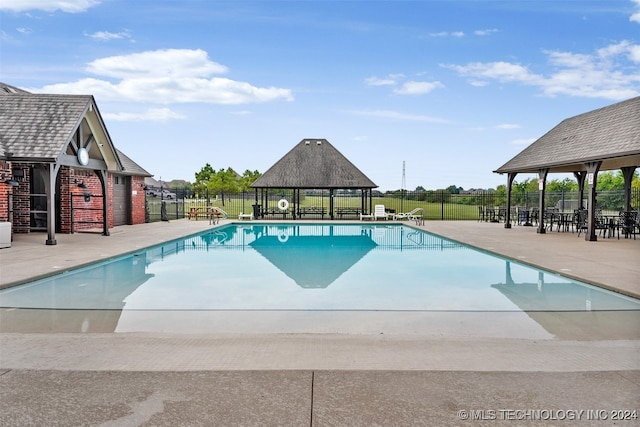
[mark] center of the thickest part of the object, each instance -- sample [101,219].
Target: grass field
[233,206]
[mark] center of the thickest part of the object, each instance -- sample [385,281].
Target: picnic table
[213,214]
[195,212]
[347,212]
[312,210]
[275,211]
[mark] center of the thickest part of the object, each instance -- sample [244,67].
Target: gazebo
[604,139]
[313,164]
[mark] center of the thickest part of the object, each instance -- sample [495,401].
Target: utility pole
[403,188]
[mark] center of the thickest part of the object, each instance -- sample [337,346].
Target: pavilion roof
[610,134]
[314,164]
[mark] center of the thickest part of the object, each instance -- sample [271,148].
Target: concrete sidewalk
[381,370]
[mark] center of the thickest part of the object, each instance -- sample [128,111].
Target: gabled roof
[129,167]
[39,127]
[610,134]
[314,164]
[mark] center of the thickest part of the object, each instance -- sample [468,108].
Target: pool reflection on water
[319,278]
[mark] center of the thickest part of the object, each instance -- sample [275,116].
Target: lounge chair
[366,216]
[416,213]
[379,212]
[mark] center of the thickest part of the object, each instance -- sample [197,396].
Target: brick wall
[5,191]
[137,200]
[87,211]
[87,214]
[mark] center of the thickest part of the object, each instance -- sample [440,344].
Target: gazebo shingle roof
[314,164]
[610,134]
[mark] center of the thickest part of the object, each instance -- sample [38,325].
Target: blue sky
[453,88]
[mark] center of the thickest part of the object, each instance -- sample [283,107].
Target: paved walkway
[402,375]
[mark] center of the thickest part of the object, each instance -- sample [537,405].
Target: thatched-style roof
[610,134]
[314,164]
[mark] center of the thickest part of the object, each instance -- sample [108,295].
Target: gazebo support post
[542,183]
[50,188]
[510,177]
[103,177]
[331,202]
[627,173]
[580,177]
[592,178]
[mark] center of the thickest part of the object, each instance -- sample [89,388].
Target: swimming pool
[304,268]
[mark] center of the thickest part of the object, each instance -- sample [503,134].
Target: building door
[120,200]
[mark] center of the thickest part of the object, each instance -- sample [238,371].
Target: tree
[202,179]
[610,181]
[224,181]
[247,179]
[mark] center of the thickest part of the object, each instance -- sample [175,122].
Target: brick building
[59,169]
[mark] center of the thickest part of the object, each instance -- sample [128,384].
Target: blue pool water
[352,267]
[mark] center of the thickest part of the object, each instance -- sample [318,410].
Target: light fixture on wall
[10,181]
[81,184]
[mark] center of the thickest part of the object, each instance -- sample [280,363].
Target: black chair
[627,223]
[480,213]
[580,220]
[534,215]
[601,223]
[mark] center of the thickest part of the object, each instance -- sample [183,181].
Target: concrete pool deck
[396,378]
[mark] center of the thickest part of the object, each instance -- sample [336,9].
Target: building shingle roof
[314,164]
[610,134]
[129,167]
[38,126]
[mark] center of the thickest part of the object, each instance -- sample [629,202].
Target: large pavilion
[600,140]
[313,164]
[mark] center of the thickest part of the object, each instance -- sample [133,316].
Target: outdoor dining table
[562,219]
[611,221]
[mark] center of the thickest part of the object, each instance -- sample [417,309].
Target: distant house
[61,171]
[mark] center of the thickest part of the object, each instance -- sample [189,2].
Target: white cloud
[166,77]
[610,73]
[636,16]
[485,32]
[106,35]
[165,62]
[447,34]
[152,114]
[70,6]
[23,30]
[390,80]
[394,115]
[417,88]
[508,126]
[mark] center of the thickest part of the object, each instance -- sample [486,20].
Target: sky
[428,93]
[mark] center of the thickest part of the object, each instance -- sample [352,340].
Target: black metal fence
[436,205]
